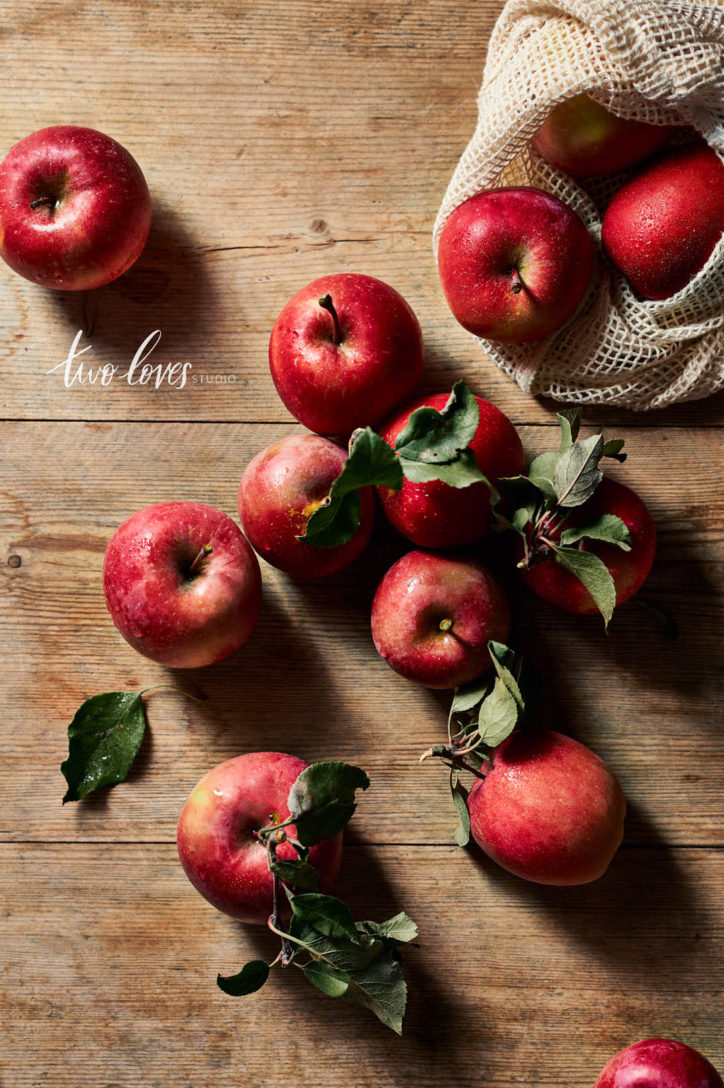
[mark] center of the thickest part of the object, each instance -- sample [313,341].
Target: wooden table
[282,142]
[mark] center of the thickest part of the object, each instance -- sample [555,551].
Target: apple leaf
[470,695]
[438,437]
[612,448]
[435,445]
[498,715]
[370,462]
[326,914]
[504,661]
[376,979]
[321,801]
[332,981]
[103,741]
[461,834]
[461,472]
[608,527]
[593,574]
[576,474]
[299,874]
[251,978]
[399,929]
[570,421]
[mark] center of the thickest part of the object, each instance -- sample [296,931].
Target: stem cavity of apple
[196,565]
[516,285]
[326,303]
[45,202]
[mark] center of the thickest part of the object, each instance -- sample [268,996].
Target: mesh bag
[660,61]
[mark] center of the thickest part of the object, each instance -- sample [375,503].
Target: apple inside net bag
[660,62]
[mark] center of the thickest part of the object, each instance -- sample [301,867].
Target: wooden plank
[296,168]
[309,680]
[507,975]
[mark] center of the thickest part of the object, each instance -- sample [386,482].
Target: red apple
[549,810]
[514,264]
[584,139]
[75,211]
[280,490]
[433,616]
[436,515]
[659,1063]
[629,570]
[344,351]
[661,227]
[182,584]
[216,842]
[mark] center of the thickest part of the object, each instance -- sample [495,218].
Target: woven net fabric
[660,61]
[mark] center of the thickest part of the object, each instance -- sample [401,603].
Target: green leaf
[523,516]
[400,929]
[461,472]
[468,696]
[593,575]
[434,445]
[608,527]
[326,914]
[570,422]
[613,447]
[461,834]
[498,715]
[576,475]
[300,874]
[438,437]
[381,988]
[330,980]
[251,978]
[370,462]
[321,801]
[503,662]
[103,741]
[375,972]
[541,472]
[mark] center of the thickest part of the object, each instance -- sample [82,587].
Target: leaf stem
[173,687]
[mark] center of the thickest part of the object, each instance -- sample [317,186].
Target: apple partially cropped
[584,139]
[75,210]
[435,514]
[629,569]
[280,490]
[344,351]
[659,1063]
[216,840]
[433,616]
[660,228]
[182,584]
[549,810]
[514,264]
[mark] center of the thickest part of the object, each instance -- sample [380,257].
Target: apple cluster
[515,262]
[183,583]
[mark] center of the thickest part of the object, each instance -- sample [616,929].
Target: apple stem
[44,202]
[206,550]
[172,687]
[446,624]
[517,283]
[327,304]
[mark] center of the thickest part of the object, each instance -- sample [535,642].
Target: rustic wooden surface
[282,142]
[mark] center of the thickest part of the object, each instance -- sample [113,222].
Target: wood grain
[513,985]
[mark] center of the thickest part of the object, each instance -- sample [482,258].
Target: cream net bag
[660,61]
